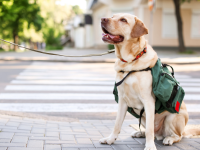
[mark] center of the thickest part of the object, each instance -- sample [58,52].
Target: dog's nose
[104,20]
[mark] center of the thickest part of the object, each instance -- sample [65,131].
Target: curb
[87,61]
[57,60]
[38,116]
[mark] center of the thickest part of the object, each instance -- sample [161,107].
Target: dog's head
[122,27]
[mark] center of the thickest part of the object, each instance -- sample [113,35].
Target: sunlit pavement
[74,90]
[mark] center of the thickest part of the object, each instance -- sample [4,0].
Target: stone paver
[71,149]
[52,134]
[43,138]
[67,137]
[35,144]
[12,144]
[52,147]
[6,135]
[83,141]
[83,135]
[5,140]
[25,127]
[23,148]
[20,139]
[60,142]
[38,130]
[15,124]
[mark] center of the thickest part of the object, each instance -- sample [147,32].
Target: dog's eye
[123,20]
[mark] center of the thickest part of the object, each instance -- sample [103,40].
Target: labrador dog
[127,32]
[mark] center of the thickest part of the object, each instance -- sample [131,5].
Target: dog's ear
[139,29]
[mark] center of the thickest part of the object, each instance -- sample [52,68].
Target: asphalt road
[78,90]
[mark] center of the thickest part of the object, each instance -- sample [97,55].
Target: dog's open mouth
[108,37]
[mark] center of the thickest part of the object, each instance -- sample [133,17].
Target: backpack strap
[165,65]
[120,82]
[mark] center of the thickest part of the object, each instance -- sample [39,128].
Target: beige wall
[155,34]
[158,40]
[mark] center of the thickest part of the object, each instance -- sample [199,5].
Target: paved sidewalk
[166,56]
[21,133]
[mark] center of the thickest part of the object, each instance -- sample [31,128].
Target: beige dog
[126,32]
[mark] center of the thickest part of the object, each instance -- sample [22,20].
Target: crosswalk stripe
[195,97]
[56,96]
[72,107]
[45,77]
[189,80]
[59,88]
[62,82]
[63,78]
[69,74]
[189,84]
[74,88]
[71,96]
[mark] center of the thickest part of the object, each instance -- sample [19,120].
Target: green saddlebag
[169,94]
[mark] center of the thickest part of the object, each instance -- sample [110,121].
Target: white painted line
[62,107]
[59,88]
[182,76]
[191,89]
[189,80]
[79,88]
[71,96]
[189,84]
[193,107]
[63,78]
[69,74]
[72,107]
[195,97]
[56,96]
[62,82]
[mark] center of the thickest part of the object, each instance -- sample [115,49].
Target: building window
[195,24]
[169,24]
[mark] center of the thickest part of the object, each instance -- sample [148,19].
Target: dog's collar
[138,56]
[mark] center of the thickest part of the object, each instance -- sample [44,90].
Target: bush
[188,52]
[52,40]
[49,47]
[110,46]
[1,49]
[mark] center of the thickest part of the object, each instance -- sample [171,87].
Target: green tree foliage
[52,39]
[76,9]
[15,13]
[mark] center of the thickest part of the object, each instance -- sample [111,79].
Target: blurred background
[59,24]
[82,87]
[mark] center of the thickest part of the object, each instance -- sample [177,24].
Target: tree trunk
[16,38]
[179,25]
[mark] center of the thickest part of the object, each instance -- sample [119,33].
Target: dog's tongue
[114,38]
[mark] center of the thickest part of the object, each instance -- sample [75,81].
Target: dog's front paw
[138,134]
[150,148]
[168,141]
[109,140]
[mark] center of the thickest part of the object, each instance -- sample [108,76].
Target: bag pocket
[165,87]
[176,104]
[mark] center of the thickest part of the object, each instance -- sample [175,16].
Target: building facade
[161,23]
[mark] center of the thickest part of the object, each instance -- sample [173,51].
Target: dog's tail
[188,133]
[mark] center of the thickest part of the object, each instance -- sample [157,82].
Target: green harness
[169,94]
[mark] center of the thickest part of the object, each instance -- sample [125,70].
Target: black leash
[120,82]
